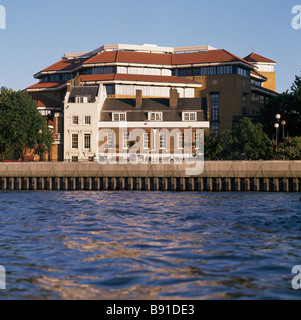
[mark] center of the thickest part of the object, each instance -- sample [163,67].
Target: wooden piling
[138,184]
[200,184]
[209,184]
[156,184]
[295,185]
[275,185]
[285,185]
[266,184]
[182,184]
[228,184]
[130,184]
[121,184]
[218,183]
[173,184]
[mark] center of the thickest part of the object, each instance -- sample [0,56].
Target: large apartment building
[220,85]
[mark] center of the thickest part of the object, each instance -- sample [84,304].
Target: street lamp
[278,117]
[283,125]
[277,128]
[40,141]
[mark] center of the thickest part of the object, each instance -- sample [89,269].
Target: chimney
[138,98]
[69,87]
[77,80]
[174,97]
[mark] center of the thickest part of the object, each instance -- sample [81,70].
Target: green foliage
[289,149]
[21,125]
[245,141]
[288,105]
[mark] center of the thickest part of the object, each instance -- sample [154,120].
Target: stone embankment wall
[262,176]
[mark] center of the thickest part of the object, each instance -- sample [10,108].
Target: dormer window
[189,116]
[155,116]
[119,117]
[81,99]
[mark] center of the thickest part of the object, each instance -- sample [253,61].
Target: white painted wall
[81,110]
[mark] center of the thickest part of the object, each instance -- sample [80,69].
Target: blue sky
[38,33]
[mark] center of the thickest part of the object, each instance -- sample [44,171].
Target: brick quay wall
[261,176]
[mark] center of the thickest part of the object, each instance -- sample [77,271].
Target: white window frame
[181,140]
[72,120]
[192,116]
[74,134]
[163,142]
[158,116]
[146,141]
[81,99]
[119,114]
[84,142]
[126,137]
[111,141]
[84,120]
[197,140]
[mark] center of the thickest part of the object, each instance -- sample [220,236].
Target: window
[215,112]
[215,107]
[81,99]
[75,120]
[75,141]
[162,140]
[111,140]
[215,128]
[244,104]
[74,159]
[155,116]
[119,117]
[181,140]
[87,141]
[189,116]
[87,120]
[146,141]
[126,137]
[197,140]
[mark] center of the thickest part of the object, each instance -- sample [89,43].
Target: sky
[38,33]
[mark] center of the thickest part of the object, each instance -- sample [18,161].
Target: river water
[149,245]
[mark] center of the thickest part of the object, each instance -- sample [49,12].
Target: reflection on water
[149,245]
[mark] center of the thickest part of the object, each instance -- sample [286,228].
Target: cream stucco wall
[81,110]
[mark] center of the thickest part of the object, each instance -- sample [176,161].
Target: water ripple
[149,245]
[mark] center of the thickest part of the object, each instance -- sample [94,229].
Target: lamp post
[40,147]
[277,128]
[283,125]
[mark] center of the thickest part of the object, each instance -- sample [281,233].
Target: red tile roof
[136,77]
[43,101]
[65,65]
[131,57]
[211,56]
[254,57]
[46,85]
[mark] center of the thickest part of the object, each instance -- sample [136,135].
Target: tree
[245,141]
[250,140]
[218,147]
[21,125]
[288,105]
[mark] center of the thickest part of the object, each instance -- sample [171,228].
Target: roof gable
[254,57]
